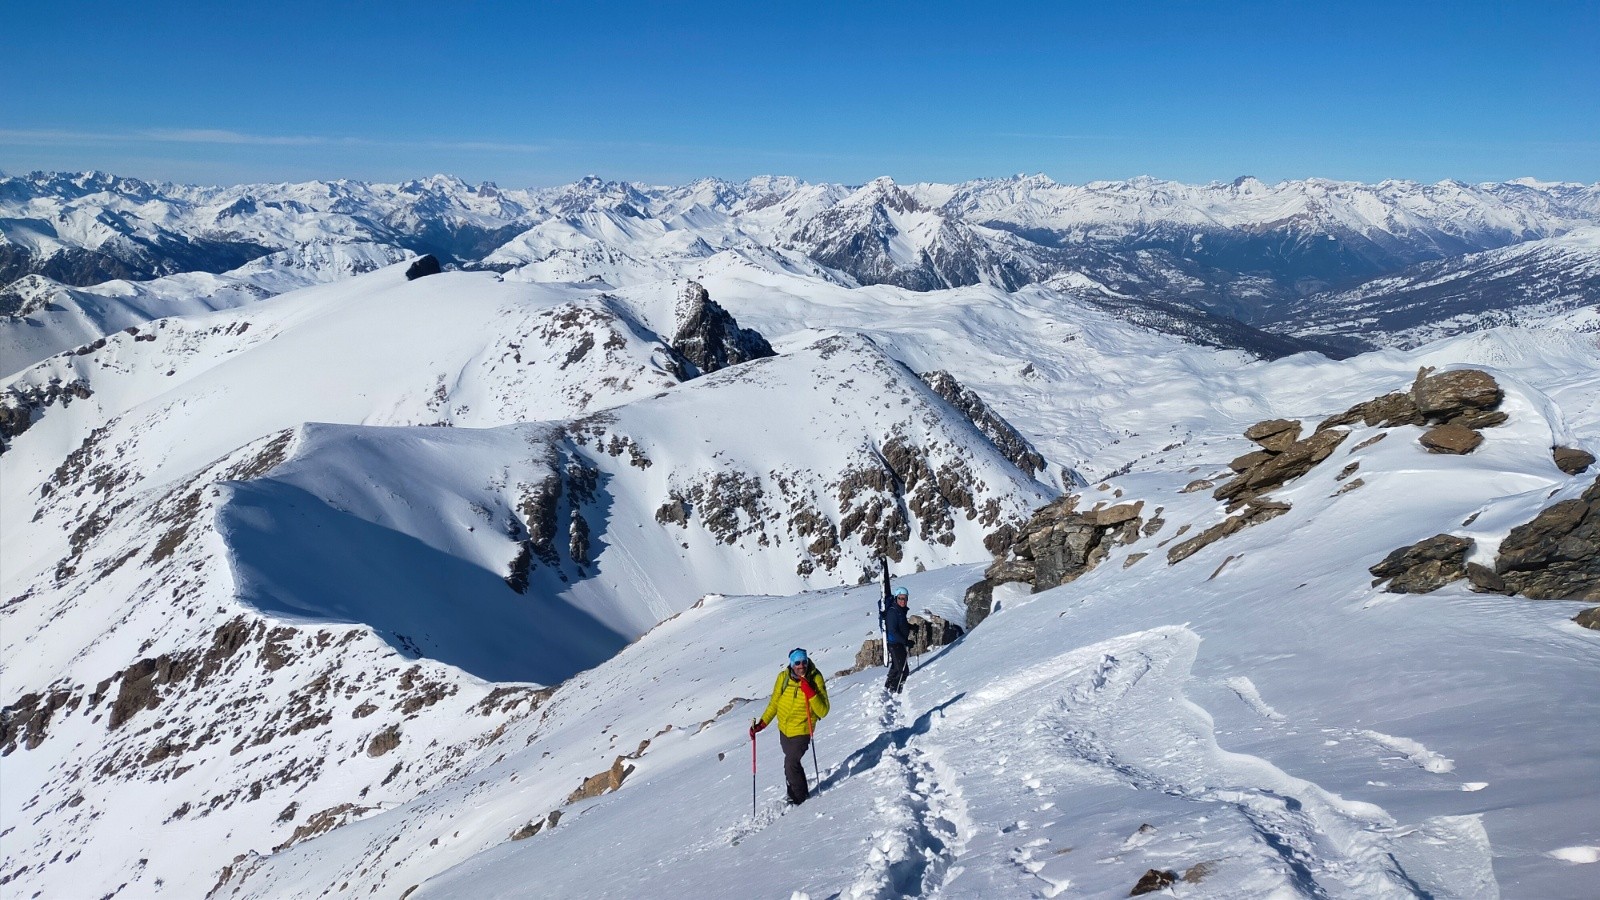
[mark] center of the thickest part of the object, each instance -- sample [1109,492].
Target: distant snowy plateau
[437,540]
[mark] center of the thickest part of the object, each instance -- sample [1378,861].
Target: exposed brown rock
[1298,459]
[1455,439]
[1447,395]
[1249,460]
[1116,515]
[1057,545]
[1370,441]
[1425,566]
[1275,435]
[1557,555]
[1485,581]
[1589,618]
[384,741]
[604,782]
[323,822]
[870,654]
[1152,881]
[1571,460]
[1479,418]
[1255,512]
[1387,411]
[931,631]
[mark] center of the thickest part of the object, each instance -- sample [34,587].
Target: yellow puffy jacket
[788,704]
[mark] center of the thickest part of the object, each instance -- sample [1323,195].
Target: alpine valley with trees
[444,540]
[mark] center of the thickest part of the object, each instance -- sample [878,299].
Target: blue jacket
[895,626]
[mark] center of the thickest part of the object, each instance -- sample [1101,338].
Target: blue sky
[529,94]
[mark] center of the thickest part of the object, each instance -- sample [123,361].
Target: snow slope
[1257,718]
[222,618]
[54,317]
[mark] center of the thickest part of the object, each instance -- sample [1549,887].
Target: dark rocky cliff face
[709,339]
[1011,443]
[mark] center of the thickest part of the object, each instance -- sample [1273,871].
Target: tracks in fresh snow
[921,810]
[1127,714]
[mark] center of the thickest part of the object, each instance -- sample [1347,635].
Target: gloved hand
[756,726]
[807,688]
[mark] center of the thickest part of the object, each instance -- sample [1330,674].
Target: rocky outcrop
[19,406]
[1255,512]
[1467,397]
[930,631]
[1557,555]
[927,633]
[1571,460]
[1275,435]
[1007,439]
[708,338]
[1425,566]
[1056,546]
[423,267]
[1589,618]
[1458,402]
[1282,458]
[603,782]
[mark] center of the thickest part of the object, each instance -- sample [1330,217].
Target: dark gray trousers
[897,668]
[794,765]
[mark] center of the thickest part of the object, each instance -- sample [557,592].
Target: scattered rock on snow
[1455,439]
[1152,881]
[1010,442]
[1589,618]
[1425,566]
[1466,397]
[604,782]
[1255,512]
[1571,460]
[384,741]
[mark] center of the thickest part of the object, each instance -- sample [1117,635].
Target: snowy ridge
[52,317]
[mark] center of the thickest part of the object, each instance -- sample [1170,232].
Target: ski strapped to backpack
[883,610]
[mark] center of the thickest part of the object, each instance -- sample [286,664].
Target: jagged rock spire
[708,338]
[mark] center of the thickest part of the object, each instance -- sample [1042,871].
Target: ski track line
[915,856]
[1129,715]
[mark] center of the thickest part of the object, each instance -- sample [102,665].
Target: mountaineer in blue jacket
[897,630]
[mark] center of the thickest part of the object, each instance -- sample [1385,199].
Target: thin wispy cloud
[238,138]
[1060,137]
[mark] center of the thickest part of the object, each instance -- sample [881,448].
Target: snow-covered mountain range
[1201,259]
[1531,283]
[323,578]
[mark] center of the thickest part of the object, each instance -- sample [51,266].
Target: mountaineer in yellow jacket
[799,699]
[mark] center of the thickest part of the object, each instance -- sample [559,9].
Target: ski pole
[752,768]
[811,729]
